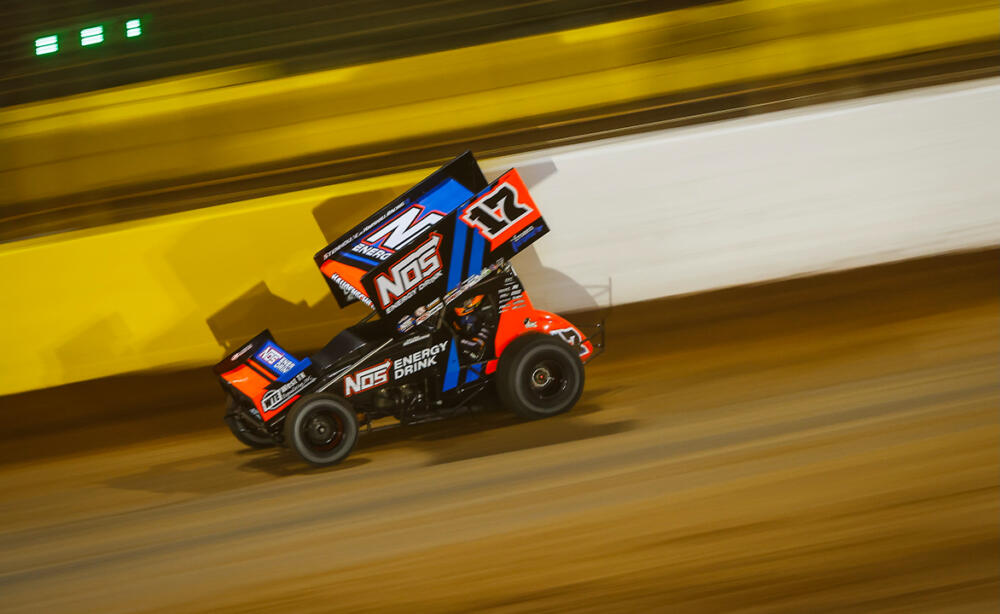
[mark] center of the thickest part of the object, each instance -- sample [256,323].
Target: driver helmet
[469,305]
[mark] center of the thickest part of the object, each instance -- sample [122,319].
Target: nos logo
[406,274]
[407,225]
[366,379]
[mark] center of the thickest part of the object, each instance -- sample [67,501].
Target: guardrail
[739,201]
[66,147]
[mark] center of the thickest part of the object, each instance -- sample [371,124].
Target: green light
[133,28]
[92,36]
[46,45]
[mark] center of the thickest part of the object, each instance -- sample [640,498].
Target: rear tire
[539,376]
[321,429]
[245,433]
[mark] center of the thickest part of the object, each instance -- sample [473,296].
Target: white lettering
[371,252]
[418,266]
[419,360]
[277,398]
[399,231]
[367,378]
[350,290]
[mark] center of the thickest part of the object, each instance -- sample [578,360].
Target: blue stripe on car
[445,197]
[476,257]
[457,254]
[452,369]
[360,258]
[474,372]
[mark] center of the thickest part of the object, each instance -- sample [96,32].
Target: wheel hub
[320,430]
[540,377]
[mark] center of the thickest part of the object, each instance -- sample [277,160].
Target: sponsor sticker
[366,379]
[415,271]
[351,290]
[272,356]
[400,230]
[371,252]
[275,399]
[418,361]
[524,236]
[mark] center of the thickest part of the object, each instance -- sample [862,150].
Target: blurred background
[787,210]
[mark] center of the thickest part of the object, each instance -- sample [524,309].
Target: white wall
[740,201]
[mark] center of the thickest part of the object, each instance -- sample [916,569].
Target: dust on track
[823,444]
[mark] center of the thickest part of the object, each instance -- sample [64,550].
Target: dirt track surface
[820,445]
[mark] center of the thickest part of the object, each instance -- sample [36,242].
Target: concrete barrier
[793,193]
[740,201]
[70,146]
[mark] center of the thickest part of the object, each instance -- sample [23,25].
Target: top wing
[432,239]
[487,229]
[383,234]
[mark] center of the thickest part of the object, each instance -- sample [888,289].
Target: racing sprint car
[449,320]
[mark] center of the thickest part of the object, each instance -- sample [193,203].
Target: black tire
[321,429]
[539,376]
[246,433]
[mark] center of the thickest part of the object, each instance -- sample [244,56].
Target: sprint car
[449,319]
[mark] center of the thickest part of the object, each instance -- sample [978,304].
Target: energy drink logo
[418,361]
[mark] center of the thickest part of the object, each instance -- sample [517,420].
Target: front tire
[539,376]
[321,429]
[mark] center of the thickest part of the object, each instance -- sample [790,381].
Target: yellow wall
[82,143]
[174,290]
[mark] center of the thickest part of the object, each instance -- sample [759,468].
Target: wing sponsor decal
[398,231]
[366,379]
[369,251]
[275,399]
[347,278]
[525,236]
[351,290]
[411,273]
[272,356]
